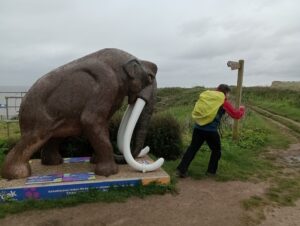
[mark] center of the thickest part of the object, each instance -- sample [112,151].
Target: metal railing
[9,110]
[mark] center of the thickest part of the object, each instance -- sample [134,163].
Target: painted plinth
[21,189]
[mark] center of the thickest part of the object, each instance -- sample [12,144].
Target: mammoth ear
[152,68]
[131,68]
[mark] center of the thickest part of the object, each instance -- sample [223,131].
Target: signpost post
[240,67]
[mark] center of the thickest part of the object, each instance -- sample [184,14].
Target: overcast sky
[190,41]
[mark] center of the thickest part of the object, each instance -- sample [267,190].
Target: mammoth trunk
[141,129]
[140,132]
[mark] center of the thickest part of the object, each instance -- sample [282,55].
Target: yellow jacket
[207,106]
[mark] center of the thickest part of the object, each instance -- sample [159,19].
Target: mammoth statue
[79,98]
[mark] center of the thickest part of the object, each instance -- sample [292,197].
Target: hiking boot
[180,174]
[209,174]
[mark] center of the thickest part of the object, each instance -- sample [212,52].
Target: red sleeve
[234,113]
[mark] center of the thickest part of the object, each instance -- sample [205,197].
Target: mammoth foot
[51,160]
[50,152]
[106,169]
[93,159]
[16,170]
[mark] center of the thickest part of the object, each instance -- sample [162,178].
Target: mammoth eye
[150,77]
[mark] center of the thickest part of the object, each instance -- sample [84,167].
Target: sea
[10,100]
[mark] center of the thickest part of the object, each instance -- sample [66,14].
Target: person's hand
[242,110]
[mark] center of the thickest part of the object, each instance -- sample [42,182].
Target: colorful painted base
[74,175]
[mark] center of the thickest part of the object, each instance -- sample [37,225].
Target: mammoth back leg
[16,163]
[50,152]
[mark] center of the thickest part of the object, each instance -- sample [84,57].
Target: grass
[284,191]
[239,160]
[242,160]
[14,130]
[286,85]
[253,202]
[290,124]
[283,102]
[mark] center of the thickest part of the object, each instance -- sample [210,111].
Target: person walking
[207,114]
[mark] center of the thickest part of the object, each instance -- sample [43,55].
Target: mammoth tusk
[121,131]
[144,152]
[122,127]
[136,111]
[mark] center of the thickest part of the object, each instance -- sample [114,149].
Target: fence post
[6,103]
[7,128]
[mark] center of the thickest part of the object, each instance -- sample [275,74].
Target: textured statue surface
[79,98]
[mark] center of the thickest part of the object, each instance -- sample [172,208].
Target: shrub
[164,137]
[7,144]
[75,147]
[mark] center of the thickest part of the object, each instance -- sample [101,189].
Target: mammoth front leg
[98,135]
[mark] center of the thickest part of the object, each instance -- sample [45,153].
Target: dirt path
[204,202]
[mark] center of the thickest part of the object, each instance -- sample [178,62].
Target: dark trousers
[212,139]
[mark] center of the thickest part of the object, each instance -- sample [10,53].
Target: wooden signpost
[240,67]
